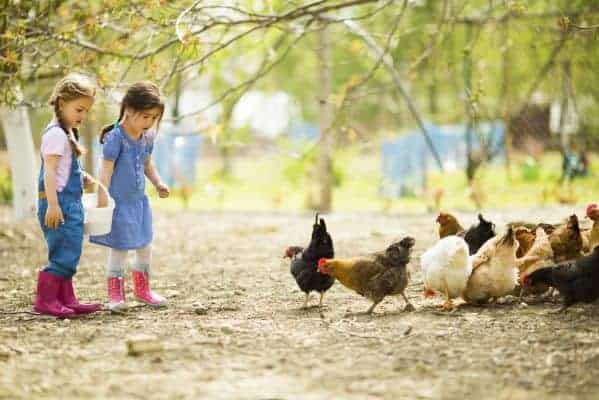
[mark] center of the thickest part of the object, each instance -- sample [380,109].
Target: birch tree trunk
[23,165]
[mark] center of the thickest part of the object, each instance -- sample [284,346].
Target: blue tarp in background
[407,159]
[175,156]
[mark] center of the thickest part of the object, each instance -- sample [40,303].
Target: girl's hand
[163,190]
[54,216]
[88,184]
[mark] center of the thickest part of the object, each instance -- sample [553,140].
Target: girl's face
[141,121]
[74,112]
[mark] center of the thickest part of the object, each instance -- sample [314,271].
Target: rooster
[304,262]
[446,268]
[494,272]
[383,274]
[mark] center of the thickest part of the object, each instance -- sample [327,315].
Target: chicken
[494,272]
[304,262]
[475,236]
[446,268]
[448,225]
[383,274]
[479,234]
[566,241]
[538,256]
[526,238]
[548,228]
[592,213]
[577,280]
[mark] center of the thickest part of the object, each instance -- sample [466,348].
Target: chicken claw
[409,307]
[448,305]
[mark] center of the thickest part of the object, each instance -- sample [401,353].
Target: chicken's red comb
[590,208]
[322,262]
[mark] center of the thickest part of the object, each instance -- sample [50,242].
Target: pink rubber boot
[142,291]
[67,297]
[116,293]
[46,298]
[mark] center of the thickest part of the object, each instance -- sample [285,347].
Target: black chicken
[576,280]
[304,262]
[478,234]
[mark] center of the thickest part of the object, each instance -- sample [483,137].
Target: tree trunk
[327,134]
[23,165]
[224,146]
[467,65]
[505,98]
[564,109]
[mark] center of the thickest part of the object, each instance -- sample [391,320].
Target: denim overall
[65,242]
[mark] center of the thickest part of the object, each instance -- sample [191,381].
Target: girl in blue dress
[127,161]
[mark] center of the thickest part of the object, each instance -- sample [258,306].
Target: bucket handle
[100,185]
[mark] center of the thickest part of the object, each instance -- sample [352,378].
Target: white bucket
[97,221]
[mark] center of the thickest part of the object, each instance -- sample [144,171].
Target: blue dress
[132,217]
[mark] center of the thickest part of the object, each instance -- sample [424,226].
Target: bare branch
[357,30]
[264,69]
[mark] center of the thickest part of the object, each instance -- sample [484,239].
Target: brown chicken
[448,225]
[383,274]
[548,228]
[536,257]
[566,241]
[526,238]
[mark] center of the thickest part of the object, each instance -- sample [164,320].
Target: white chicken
[494,271]
[446,268]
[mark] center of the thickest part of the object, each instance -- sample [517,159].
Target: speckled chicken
[383,274]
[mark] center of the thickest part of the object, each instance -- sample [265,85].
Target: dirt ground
[234,328]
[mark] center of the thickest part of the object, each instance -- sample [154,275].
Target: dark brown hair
[140,96]
[69,88]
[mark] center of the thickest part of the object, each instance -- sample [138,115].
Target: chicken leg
[448,305]
[321,297]
[372,306]
[306,300]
